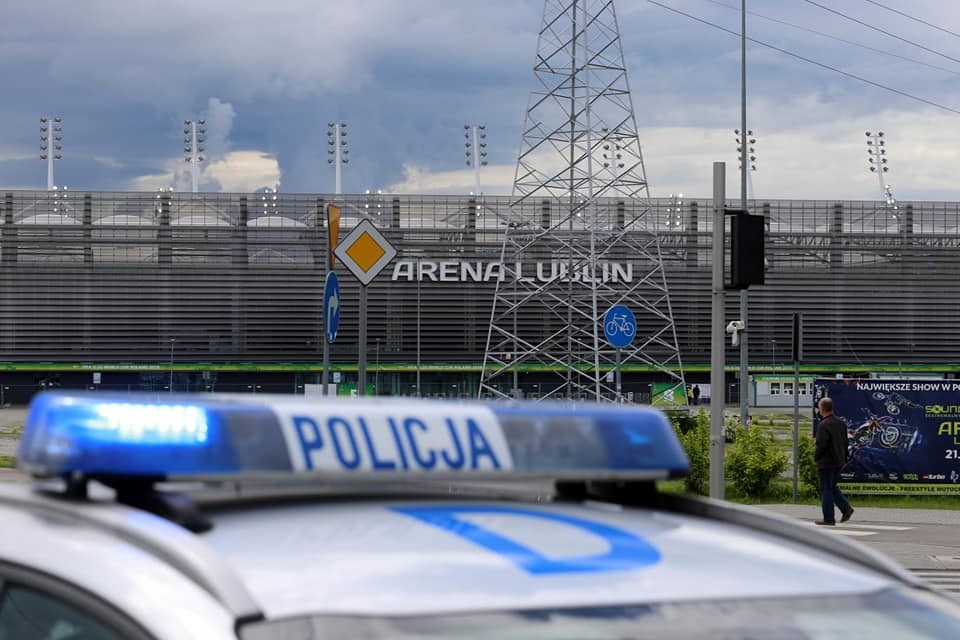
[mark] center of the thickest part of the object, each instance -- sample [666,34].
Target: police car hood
[416,557]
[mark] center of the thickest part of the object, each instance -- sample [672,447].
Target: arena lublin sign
[478,271]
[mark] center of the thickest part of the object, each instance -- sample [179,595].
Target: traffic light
[746,249]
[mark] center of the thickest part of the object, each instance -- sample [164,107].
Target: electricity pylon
[580,236]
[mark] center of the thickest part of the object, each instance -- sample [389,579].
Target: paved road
[926,541]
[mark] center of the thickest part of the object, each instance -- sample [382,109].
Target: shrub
[806,467]
[753,461]
[696,442]
[730,426]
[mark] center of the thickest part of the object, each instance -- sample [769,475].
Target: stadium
[224,292]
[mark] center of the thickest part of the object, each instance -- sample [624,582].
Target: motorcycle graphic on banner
[904,434]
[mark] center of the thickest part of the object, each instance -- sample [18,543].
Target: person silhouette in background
[830,455]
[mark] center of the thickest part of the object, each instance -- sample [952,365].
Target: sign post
[365,252]
[333,231]
[619,327]
[797,349]
[717,347]
[331,323]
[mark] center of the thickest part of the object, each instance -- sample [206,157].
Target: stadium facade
[224,291]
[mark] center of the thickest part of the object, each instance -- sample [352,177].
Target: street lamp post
[475,137]
[50,147]
[337,150]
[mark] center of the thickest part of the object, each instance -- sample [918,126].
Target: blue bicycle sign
[619,326]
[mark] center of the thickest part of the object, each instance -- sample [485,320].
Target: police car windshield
[901,614]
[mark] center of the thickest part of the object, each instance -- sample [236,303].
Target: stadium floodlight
[337,151]
[376,199]
[675,211]
[268,196]
[50,146]
[475,146]
[749,140]
[193,140]
[877,152]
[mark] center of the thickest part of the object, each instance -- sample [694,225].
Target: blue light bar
[165,436]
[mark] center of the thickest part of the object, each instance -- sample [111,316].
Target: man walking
[830,456]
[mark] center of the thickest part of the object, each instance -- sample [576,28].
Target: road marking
[880,527]
[852,534]
[859,530]
[946,579]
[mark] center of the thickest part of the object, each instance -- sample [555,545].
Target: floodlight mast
[193,140]
[750,141]
[475,145]
[337,150]
[877,151]
[50,146]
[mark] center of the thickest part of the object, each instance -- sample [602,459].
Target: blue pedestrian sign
[619,326]
[331,307]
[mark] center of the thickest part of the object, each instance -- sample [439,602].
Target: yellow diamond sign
[365,252]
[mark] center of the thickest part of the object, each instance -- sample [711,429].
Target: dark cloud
[407,74]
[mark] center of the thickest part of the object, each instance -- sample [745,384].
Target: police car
[258,517]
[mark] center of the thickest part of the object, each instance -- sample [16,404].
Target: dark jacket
[831,448]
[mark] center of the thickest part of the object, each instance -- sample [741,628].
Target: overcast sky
[407,74]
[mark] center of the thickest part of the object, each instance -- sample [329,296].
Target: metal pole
[325,377]
[744,335]
[376,374]
[476,161]
[172,340]
[797,352]
[717,357]
[362,364]
[337,160]
[796,429]
[194,166]
[419,394]
[619,394]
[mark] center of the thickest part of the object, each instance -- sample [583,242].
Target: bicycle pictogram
[620,324]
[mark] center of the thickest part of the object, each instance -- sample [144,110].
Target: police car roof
[430,548]
[375,556]
[412,557]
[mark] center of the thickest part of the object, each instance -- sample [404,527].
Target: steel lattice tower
[581,206]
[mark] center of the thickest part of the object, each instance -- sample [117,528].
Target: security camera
[734,328]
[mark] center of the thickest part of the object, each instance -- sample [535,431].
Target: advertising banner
[904,434]
[667,394]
